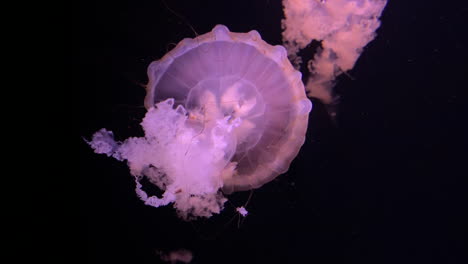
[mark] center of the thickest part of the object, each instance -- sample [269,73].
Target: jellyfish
[343,28]
[176,256]
[226,112]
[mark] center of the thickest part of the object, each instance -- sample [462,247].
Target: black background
[382,184]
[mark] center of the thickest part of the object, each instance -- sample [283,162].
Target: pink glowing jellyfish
[238,75]
[225,111]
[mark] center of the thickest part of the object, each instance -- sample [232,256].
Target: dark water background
[383,184]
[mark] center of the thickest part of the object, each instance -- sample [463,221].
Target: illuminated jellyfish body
[226,111]
[238,75]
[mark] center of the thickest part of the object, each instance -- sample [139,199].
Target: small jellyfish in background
[343,27]
[176,256]
[228,112]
